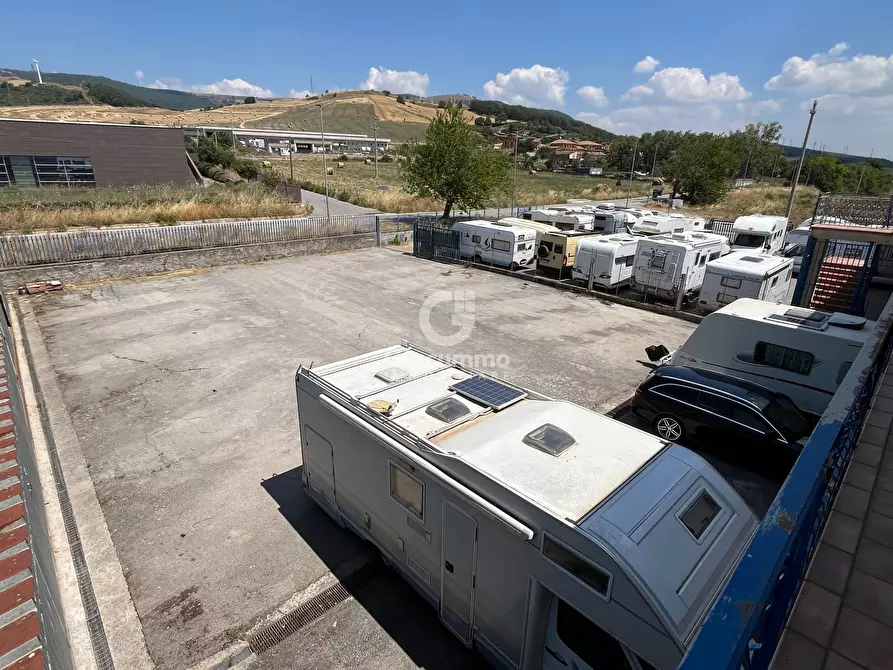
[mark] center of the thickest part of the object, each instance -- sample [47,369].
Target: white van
[760,232]
[609,257]
[546,535]
[666,265]
[745,274]
[802,353]
[486,242]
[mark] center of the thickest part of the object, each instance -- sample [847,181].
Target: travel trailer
[660,224]
[745,274]
[609,223]
[536,226]
[666,265]
[761,232]
[548,536]
[609,257]
[485,242]
[563,220]
[802,353]
[555,252]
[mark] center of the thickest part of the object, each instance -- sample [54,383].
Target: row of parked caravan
[652,253]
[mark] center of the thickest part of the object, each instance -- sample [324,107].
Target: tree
[441,104]
[826,173]
[401,100]
[701,167]
[454,163]
[386,92]
[250,100]
[758,150]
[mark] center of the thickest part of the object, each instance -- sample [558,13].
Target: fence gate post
[377,231]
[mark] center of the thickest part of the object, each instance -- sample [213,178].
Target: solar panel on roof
[488,391]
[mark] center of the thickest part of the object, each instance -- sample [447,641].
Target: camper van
[745,274]
[485,242]
[547,536]
[759,232]
[556,251]
[666,265]
[610,258]
[802,353]
[660,224]
[536,226]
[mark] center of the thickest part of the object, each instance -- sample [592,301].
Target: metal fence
[81,245]
[743,628]
[720,227]
[435,242]
[854,210]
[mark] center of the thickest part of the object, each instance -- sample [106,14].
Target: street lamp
[325,171]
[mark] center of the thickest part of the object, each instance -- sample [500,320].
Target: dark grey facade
[67,154]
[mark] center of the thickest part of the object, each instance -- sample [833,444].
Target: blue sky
[719,64]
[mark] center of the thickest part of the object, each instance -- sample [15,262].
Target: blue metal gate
[435,242]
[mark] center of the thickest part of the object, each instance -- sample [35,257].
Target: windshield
[749,240]
[787,418]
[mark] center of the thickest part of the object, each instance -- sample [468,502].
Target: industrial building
[83,154]
[295,141]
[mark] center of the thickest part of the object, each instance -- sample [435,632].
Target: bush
[387,158]
[271,179]
[401,100]
[386,92]
[343,157]
[245,169]
[250,100]
[164,217]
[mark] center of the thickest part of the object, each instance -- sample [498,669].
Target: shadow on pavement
[402,615]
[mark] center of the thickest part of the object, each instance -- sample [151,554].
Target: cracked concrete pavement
[181,392]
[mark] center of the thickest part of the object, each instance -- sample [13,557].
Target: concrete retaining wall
[159,263]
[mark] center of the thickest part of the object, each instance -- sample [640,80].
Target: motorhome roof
[758,223]
[689,239]
[784,316]
[608,241]
[604,453]
[750,263]
[527,223]
[494,226]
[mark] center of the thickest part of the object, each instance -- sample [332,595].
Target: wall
[159,263]
[121,155]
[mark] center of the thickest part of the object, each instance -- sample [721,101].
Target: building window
[592,575]
[501,245]
[783,358]
[407,490]
[33,171]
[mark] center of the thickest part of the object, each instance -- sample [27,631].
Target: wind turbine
[36,67]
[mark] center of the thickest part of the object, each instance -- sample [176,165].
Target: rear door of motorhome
[320,467]
[776,285]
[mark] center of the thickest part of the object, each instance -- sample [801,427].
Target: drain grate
[314,608]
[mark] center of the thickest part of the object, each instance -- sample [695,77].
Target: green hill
[150,97]
[48,94]
[542,121]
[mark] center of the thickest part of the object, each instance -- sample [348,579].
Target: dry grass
[28,210]
[761,200]
[356,183]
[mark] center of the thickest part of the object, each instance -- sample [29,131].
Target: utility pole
[862,173]
[809,171]
[291,163]
[375,147]
[325,171]
[514,173]
[632,167]
[654,162]
[800,164]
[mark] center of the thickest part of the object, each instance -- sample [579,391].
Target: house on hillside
[564,145]
[595,149]
[562,159]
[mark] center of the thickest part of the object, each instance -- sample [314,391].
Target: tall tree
[454,163]
[826,173]
[701,167]
[758,150]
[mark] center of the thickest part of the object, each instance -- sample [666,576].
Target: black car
[720,413]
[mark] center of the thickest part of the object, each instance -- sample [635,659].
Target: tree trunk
[446,209]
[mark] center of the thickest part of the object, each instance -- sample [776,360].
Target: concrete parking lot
[180,390]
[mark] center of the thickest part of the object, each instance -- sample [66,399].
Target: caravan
[536,226]
[667,265]
[745,274]
[759,232]
[608,258]
[563,220]
[660,224]
[546,535]
[802,353]
[486,242]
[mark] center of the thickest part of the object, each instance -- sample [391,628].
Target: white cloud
[295,93]
[533,85]
[646,65]
[398,81]
[232,87]
[648,118]
[594,94]
[832,72]
[139,75]
[688,84]
[167,83]
[758,107]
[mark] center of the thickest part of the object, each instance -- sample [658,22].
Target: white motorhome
[486,242]
[563,220]
[759,232]
[660,224]
[666,265]
[538,227]
[802,353]
[546,535]
[745,274]
[609,223]
[609,257]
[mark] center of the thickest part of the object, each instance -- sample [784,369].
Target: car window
[716,404]
[785,416]
[678,392]
[749,418]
